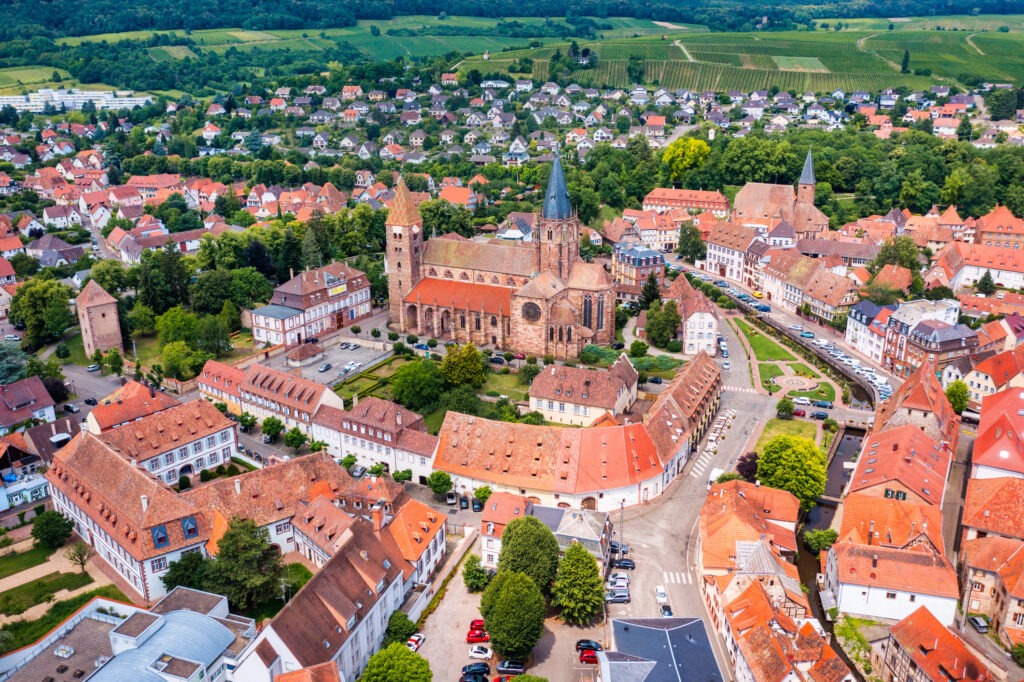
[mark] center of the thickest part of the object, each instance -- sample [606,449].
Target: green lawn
[77,348]
[764,348]
[21,633]
[786,427]
[803,370]
[823,392]
[19,561]
[769,371]
[504,384]
[19,599]
[433,420]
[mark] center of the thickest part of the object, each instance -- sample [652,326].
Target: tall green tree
[474,575]
[986,285]
[311,254]
[900,251]
[441,217]
[905,64]
[958,395]
[650,292]
[463,365]
[400,629]
[51,529]
[794,464]
[142,320]
[528,546]
[691,246]
[417,385]
[247,568]
[163,279]
[397,662]
[188,571]
[684,154]
[212,335]
[289,260]
[249,288]
[210,290]
[515,613]
[578,590]
[43,306]
[13,361]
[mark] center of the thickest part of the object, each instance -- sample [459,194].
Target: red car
[477,636]
[477,624]
[799,413]
[504,678]
[588,656]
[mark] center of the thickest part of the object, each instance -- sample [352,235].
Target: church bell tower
[557,235]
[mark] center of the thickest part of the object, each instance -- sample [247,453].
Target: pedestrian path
[678,577]
[701,464]
[740,389]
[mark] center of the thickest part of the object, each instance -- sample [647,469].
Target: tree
[527,373]
[230,316]
[1017,652]
[210,290]
[747,467]
[515,612]
[728,476]
[578,590]
[187,571]
[794,464]
[691,246]
[463,365]
[311,254]
[62,351]
[958,395]
[115,362]
[141,319]
[905,64]
[12,362]
[637,349]
[528,546]
[650,292]
[246,421]
[176,324]
[375,333]
[399,629]
[662,323]
[784,408]
[441,217]
[247,567]
[42,305]
[295,438]
[51,529]
[482,493]
[440,482]
[272,426]
[178,361]
[417,385]
[163,279]
[212,335]
[474,574]
[79,554]
[820,540]
[289,259]
[250,287]
[684,154]
[986,285]
[900,251]
[397,662]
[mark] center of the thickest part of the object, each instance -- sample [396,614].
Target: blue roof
[556,197]
[278,312]
[182,634]
[807,176]
[679,647]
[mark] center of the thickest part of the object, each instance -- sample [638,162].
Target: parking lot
[337,357]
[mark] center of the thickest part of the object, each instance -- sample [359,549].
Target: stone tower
[97,317]
[404,232]
[557,235]
[805,188]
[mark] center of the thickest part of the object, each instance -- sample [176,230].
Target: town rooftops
[282,388]
[221,376]
[739,511]
[166,430]
[585,386]
[999,443]
[936,651]
[19,400]
[128,403]
[902,458]
[922,392]
[868,520]
[992,506]
[93,294]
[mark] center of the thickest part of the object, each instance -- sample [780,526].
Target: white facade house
[700,332]
[865,329]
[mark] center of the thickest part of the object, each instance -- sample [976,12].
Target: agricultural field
[20,79]
[961,22]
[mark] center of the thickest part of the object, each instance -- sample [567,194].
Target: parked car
[627,564]
[616,597]
[415,642]
[324,367]
[357,471]
[344,345]
[91,401]
[620,575]
[477,636]
[478,506]
[763,308]
[582,644]
[666,611]
[617,547]
[478,668]
[613,585]
[655,380]
[827,404]
[660,595]
[241,448]
[312,339]
[519,356]
[477,624]
[819,415]
[801,400]
[495,360]
[725,353]
[451,498]
[978,623]
[72,409]
[618,345]
[463,502]
[267,440]
[512,667]
[796,327]
[12,337]
[726,365]
[799,413]
[421,346]
[807,335]
[93,368]
[474,677]
[758,294]
[588,656]
[480,652]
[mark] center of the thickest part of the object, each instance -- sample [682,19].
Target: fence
[415,610]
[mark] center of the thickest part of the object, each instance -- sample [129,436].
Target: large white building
[74,98]
[865,329]
[727,251]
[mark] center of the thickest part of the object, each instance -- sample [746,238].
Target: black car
[463,502]
[666,611]
[473,677]
[511,668]
[72,409]
[478,506]
[312,339]
[627,564]
[618,346]
[495,360]
[90,401]
[478,668]
[618,548]
[655,380]
[588,644]
[267,439]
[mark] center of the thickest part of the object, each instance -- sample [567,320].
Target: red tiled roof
[895,523]
[468,296]
[128,403]
[905,456]
[921,391]
[324,672]
[222,377]
[917,570]
[993,505]
[740,511]
[937,652]
[158,433]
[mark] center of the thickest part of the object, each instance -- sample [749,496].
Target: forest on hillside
[56,18]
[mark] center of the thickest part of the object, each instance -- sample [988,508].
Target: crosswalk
[678,577]
[701,465]
[739,389]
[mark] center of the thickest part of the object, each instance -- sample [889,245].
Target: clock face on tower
[531,312]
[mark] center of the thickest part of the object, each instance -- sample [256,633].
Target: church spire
[403,211]
[807,176]
[556,197]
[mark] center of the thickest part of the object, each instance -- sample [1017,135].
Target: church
[766,206]
[536,298]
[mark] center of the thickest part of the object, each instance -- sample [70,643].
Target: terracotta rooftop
[19,400]
[904,456]
[502,507]
[281,388]
[738,511]
[323,672]
[922,392]
[895,523]
[167,430]
[223,377]
[128,403]
[938,653]
[917,570]
[467,296]
[1000,440]
[585,386]
[413,529]
[992,506]
[93,294]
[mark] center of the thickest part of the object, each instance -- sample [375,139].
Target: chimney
[355,400]
[134,462]
[871,532]
[238,486]
[378,518]
[152,391]
[398,418]
[291,273]
[874,561]
[145,502]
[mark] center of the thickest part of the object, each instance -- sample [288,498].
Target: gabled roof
[905,456]
[868,520]
[917,570]
[738,511]
[923,392]
[936,651]
[993,505]
[167,430]
[469,296]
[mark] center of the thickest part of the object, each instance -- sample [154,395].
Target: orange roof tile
[1000,440]
[992,505]
[895,523]
[923,392]
[728,517]
[403,211]
[167,430]
[936,651]
[468,296]
[414,528]
[128,403]
[906,456]
[917,570]
[323,672]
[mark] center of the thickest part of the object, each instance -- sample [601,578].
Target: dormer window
[189,527]
[160,538]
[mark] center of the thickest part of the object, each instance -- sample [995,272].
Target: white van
[713,476]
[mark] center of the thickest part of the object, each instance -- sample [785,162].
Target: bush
[206,475]
[399,629]
[474,575]
[349,461]
[403,475]
[674,346]
[820,540]
[51,529]
[232,470]
[184,483]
